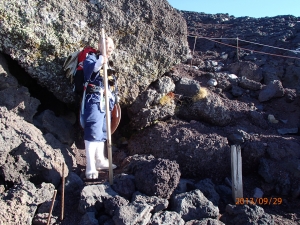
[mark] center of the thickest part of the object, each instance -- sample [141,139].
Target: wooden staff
[108,128]
[52,204]
[62,192]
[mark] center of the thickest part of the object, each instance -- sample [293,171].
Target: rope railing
[246,49]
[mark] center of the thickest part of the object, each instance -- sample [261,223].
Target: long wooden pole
[108,127]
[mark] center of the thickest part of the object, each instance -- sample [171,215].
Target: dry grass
[201,95]
[167,99]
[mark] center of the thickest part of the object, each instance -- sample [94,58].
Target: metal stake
[62,192]
[52,204]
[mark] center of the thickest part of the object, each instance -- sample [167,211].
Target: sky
[240,8]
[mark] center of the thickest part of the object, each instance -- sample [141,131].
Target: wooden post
[193,51]
[237,49]
[108,121]
[62,193]
[236,172]
[52,204]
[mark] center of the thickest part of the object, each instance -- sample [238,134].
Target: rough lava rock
[157,177]
[194,205]
[19,204]
[150,38]
[25,153]
[197,149]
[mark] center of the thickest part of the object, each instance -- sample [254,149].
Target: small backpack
[73,67]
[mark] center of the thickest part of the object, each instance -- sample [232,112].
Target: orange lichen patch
[167,99]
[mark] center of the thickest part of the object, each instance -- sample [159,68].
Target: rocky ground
[249,99]
[286,110]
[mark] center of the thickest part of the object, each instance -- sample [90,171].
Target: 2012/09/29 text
[258,201]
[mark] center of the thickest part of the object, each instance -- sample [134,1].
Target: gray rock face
[272,90]
[149,116]
[247,69]
[17,99]
[88,218]
[158,177]
[166,218]
[7,80]
[250,84]
[194,205]
[150,37]
[206,221]
[153,104]
[285,179]
[91,198]
[258,119]
[25,154]
[73,184]
[111,204]
[157,203]
[57,126]
[197,150]
[187,87]
[165,85]
[20,203]
[144,100]
[133,214]
[184,185]
[207,187]
[210,109]
[42,214]
[124,184]
[246,214]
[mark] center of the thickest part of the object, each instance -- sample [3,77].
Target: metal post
[63,192]
[108,127]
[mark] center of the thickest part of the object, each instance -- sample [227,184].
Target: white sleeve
[98,64]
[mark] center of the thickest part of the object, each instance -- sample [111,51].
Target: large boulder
[133,214]
[25,153]
[156,177]
[246,214]
[150,37]
[194,205]
[166,217]
[246,69]
[199,150]
[92,197]
[153,104]
[211,108]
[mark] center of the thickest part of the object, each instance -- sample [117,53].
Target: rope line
[261,52]
[270,46]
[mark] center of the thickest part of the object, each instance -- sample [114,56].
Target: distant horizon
[254,8]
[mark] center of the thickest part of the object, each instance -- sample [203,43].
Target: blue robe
[94,117]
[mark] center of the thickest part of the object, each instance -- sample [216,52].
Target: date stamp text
[258,201]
